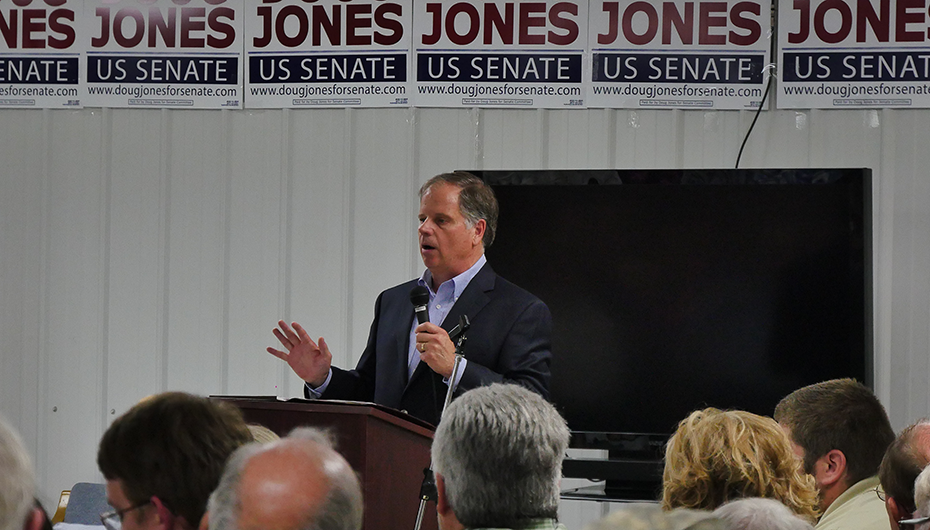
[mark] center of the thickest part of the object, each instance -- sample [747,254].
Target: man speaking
[407,365]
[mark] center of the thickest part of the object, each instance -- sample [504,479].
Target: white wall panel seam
[348,230]
[165,236]
[908,351]
[42,448]
[103,283]
[413,186]
[883,257]
[227,244]
[286,269]
[106,171]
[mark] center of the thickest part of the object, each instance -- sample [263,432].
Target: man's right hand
[311,362]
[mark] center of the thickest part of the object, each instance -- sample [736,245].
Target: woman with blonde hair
[716,456]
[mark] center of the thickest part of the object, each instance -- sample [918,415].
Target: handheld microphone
[419,297]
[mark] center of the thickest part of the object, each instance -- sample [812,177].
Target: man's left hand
[436,348]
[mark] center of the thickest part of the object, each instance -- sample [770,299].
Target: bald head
[903,461]
[297,483]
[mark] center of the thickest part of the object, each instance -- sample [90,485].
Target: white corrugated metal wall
[147,250]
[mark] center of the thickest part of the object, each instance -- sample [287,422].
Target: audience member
[841,431]
[497,454]
[652,517]
[922,500]
[760,514]
[717,456]
[18,507]
[297,483]
[907,455]
[163,458]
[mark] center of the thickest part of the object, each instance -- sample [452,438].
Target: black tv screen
[673,290]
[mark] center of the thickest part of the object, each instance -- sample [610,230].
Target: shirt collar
[459,283]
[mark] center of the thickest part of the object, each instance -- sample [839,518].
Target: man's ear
[480,228]
[35,520]
[164,517]
[442,502]
[895,511]
[205,521]
[830,468]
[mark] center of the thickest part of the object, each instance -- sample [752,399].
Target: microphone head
[419,296]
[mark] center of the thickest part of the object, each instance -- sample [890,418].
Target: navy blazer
[509,341]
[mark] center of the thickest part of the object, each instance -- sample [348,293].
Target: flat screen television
[674,290]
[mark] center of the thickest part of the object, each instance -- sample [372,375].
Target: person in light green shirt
[841,431]
[497,456]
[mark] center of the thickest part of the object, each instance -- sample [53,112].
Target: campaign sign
[328,53]
[500,54]
[39,62]
[163,53]
[679,54]
[853,54]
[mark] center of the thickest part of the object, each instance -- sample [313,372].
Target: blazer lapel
[473,298]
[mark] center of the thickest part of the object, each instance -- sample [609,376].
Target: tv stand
[631,472]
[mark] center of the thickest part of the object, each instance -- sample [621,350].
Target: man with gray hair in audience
[297,483]
[497,456]
[756,513]
[652,517]
[18,510]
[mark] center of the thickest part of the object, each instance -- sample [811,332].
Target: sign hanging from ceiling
[679,54]
[853,54]
[328,53]
[500,54]
[163,53]
[40,61]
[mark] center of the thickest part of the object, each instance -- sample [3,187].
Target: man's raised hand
[309,360]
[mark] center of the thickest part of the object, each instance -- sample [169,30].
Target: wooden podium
[388,449]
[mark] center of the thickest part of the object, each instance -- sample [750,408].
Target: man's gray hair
[922,497]
[17,480]
[499,450]
[756,513]
[341,510]
[652,517]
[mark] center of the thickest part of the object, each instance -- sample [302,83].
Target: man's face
[448,245]
[138,518]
